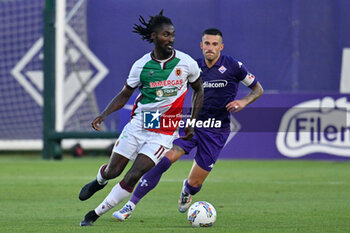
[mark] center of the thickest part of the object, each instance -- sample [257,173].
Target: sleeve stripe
[253,83]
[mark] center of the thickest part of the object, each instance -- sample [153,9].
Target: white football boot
[125,212]
[184,200]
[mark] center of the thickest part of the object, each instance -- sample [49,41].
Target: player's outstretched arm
[197,102]
[117,103]
[238,105]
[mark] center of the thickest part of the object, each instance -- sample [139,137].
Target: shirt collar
[165,60]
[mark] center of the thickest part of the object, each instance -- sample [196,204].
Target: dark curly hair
[212,31]
[145,29]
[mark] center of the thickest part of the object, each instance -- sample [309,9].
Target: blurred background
[298,50]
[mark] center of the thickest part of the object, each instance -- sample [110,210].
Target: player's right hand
[97,123]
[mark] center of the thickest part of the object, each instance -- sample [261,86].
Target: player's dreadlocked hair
[146,29]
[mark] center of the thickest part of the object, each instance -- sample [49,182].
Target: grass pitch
[249,196]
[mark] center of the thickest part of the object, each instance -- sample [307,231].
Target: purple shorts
[208,143]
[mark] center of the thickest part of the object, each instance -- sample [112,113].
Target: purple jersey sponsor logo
[316,126]
[215,84]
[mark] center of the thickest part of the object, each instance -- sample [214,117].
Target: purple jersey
[220,84]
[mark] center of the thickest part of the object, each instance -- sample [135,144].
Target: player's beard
[167,50]
[210,56]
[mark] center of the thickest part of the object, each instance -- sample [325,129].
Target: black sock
[92,215]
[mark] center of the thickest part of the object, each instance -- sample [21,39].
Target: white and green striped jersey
[163,85]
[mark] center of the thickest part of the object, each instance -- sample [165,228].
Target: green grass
[249,196]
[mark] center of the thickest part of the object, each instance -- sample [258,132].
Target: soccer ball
[201,214]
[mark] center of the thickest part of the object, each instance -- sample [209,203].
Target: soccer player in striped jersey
[221,75]
[162,77]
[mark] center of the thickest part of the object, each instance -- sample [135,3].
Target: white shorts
[135,140]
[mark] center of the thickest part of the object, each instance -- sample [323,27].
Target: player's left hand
[189,132]
[236,105]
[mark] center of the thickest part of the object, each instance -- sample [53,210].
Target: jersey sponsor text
[165,83]
[215,84]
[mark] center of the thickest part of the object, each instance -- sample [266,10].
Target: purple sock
[150,180]
[190,189]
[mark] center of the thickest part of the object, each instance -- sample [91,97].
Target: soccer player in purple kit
[221,76]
